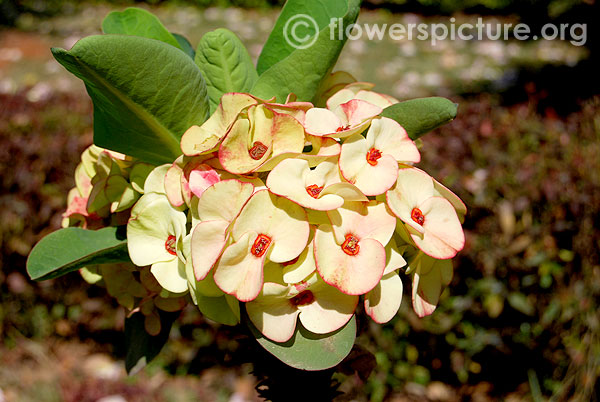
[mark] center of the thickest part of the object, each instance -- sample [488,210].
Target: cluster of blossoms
[293,209]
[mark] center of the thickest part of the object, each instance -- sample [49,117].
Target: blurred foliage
[521,313]
[11,9]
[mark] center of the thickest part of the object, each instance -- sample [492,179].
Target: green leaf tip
[69,249]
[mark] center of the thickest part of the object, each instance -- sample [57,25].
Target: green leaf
[277,48]
[308,351]
[422,115]
[225,65]
[185,45]
[142,347]
[69,249]
[138,22]
[302,71]
[146,93]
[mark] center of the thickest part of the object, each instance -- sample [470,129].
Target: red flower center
[302,298]
[372,156]
[350,245]
[260,246]
[313,190]
[417,216]
[342,128]
[258,150]
[170,245]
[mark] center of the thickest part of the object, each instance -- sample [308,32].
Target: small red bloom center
[170,245]
[302,298]
[417,216]
[258,150]
[372,156]
[350,245]
[342,128]
[260,246]
[313,190]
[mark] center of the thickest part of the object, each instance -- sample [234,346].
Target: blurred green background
[520,320]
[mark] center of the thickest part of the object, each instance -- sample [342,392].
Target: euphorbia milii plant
[279,195]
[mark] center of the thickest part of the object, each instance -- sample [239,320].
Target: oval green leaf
[138,22]
[69,249]
[225,65]
[302,71]
[146,93]
[141,346]
[277,48]
[308,351]
[422,115]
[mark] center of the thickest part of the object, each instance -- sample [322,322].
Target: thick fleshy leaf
[141,112]
[184,44]
[420,116]
[308,351]
[141,346]
[277,48]
[302,71]
[138,22]
[225,65]
[69,249]
[219,309]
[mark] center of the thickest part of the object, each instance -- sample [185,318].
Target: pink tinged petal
[152,222]
[366,220]
[290,179]
[224,200]
[171,275]
[173,187]
[457,203]
[357,111]
[279,218]
[155,182]
[394,258]
[299,269]
[322,122]
[330,310]
[425,293]
[390,138]
[376,98]
[237,154]
[273,314]
[443,236]
[352,274]
[239,272]
[198,140]
[287,134]
[382,303]
[200,177]
[208,241]
[322,148]
[347,191]
[412,188]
